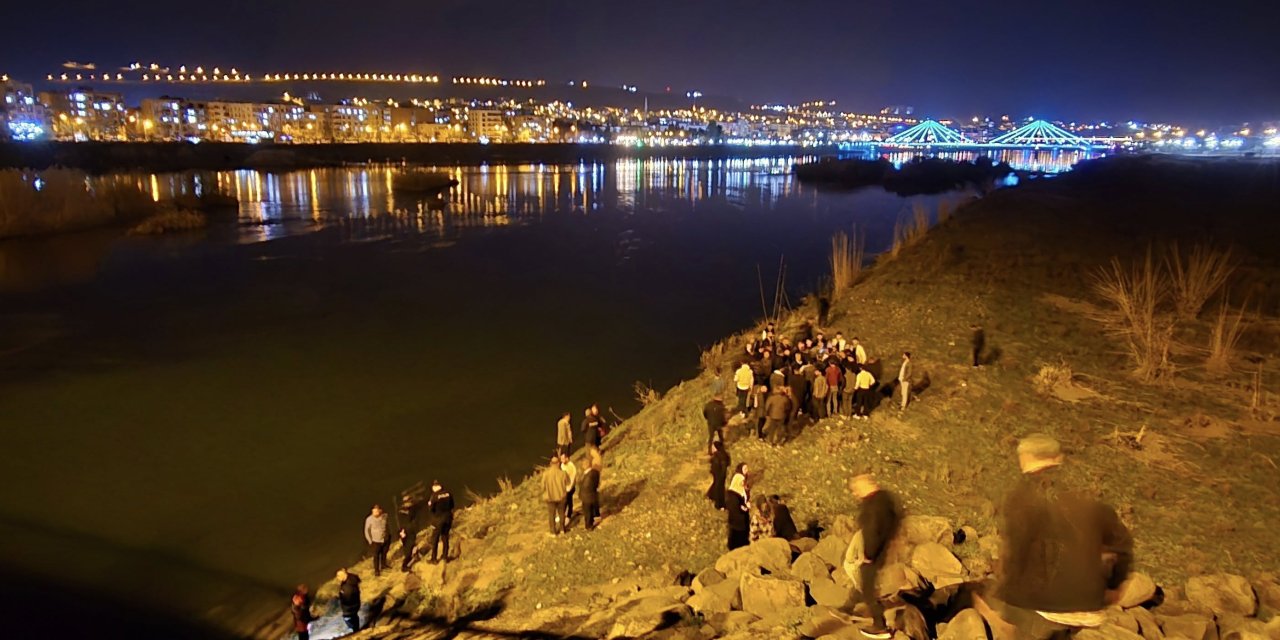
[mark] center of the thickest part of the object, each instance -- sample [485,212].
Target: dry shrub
[1052,376]
[1197,276]
[1223,337]
[645,394]
[847,254]
[909,231]
[1136,313]
[505,484]
[713,357]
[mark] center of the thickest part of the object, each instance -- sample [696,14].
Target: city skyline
[1083,62]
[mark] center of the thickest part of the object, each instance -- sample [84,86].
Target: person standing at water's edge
[555,486]
[375,533]
[349,598]
[440,505]
[564,434]
[592,427]
[878,519]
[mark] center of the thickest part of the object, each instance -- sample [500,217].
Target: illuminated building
[171,119]
[490,124]
[21,116]
[84,114]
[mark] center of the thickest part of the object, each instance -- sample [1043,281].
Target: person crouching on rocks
[739,513]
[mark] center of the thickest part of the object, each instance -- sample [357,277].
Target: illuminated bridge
[1035,135]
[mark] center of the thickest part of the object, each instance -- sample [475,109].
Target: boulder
[1148,627]
[706,578]
[1268,590]
[1107,631]
[921,529]
[1188,625]
[826,592]
[648,615]
[770,554]
[1236,627]
[732,621]
[1273,628]
[935,561]
[891,579]
[1223,593]
[709,602]
[1121,618]
[844,526]
[912,623]
[803,545]
[820,621]
[765,596]
[727,589]
[831,549]
[966,625]
[1137,589]
[810,567]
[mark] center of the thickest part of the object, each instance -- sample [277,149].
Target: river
[198,422]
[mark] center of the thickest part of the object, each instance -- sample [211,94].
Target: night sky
[1198,63]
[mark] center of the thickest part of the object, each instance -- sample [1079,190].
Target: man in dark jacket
[979,341]
[777,410]
[719,473]
[589,488]
[1063,550]
[440,505]
[878,520]
[349,598]
[716,417]
[409,512]
[592,427]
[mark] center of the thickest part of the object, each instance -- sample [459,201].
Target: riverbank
[107,157]
[1189,463]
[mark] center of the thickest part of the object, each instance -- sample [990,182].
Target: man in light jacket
[375,533]
[904,378]
[564,434]
[555,486]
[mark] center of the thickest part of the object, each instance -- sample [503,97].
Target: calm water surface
[202,421]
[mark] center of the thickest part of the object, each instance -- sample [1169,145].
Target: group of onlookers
[562,480]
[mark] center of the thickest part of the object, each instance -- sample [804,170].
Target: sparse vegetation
[910,230]
[645,394]
[1197,276]
[1225,334]
[1137,316]
[847,257]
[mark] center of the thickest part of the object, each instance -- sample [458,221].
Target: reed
[1197,276]
[847,254]
[1225,334]
[1137,314]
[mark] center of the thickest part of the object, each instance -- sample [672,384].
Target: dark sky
[1198,62]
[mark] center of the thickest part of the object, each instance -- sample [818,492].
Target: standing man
[375,533]
[302,617]
[904,378]
[564,434]
[979,340]
[555,486]
[878,518]
[714,413]
[349,598]
[590,483]
[440,505]
[409,532]
[859,353]
[743,379]
[863,398]
[1064,552]
[776,410]
[592,426]
[571,472]
[834,376]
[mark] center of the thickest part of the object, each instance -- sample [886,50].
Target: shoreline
[172,157]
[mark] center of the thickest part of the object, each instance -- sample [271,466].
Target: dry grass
[1136,313]
[847,255]
[1223,337]
[645,394]
[1197,276]
[910,230]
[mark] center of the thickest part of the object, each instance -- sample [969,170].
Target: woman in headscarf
[761,519]
[737,506]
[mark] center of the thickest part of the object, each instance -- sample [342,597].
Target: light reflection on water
[1037,160]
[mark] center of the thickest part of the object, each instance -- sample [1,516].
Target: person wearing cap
[716,416]
[409,511]
[1063,551]
[440,505]
[375,533]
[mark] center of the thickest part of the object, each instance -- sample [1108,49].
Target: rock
[1268,591]
[966,625]
[1137,589]
[646,616]
[935,561]
[922,529]
[765,596]
[844,526]
[771,554]
[727,589]
[826,592]
[1223,593]
[810,567]
[1237,627]
[990,546]
[1148,627]
[831,549]
[820,621]
[1107,631]
[803,545]
[1188,625]
[732,621]
[782,623]
[706,578]
[891,579]
[1273,628]
[912,623]
[1121,618]
[709,602]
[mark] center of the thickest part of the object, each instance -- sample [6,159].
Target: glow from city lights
[25,131]
[928,133]
[1040,134]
